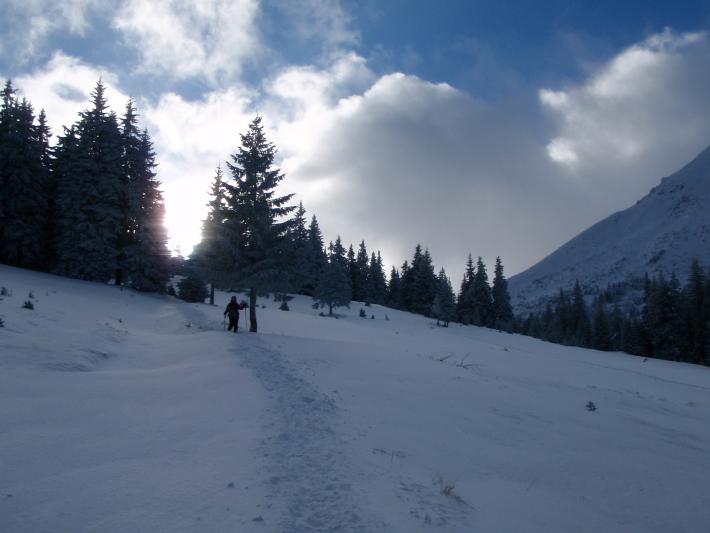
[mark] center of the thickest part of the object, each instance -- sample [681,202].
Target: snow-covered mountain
[662,232]
[122,411]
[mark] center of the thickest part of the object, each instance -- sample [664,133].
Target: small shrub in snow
[387,318]
[363,314]
[28,305]
[284,306]
[4,291]
[2,323]
[31,296]
[373,317]
[591,406]
[171,290]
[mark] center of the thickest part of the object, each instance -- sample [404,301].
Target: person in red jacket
[232,312]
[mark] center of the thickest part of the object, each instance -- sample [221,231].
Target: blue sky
[499,128]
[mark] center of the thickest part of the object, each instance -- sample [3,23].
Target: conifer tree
[444,306]
[480,297]
[363,275]
[258,213]
[377,279]
[601,339]
[502,310]
[580,329]
[393,290]
[24,182]
[212,254]
[299,266]
[90,196]
[316,257]
[143,251]
[353,273]
[425,284]
[334,288]
[697,314]
[464,305]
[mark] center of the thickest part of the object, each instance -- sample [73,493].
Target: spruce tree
[90,195]
[502,310]
[142,244]
[353,273]
[258,214]
[334,289]
[363,275]
[480,297]
[316,257]
[393,289]
[211,255]
[697,314]
[378,282]
[444,306]
[299,252]
[464,305]
[24,182]
[601,338]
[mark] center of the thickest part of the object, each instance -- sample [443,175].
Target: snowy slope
[115,416]
[663,232]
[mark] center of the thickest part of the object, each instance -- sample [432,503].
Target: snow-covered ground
[128,412]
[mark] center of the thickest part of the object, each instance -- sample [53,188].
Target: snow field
[115,416]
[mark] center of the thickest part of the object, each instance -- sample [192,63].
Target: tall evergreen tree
[334,289]
[24,180]
[251,202]
[696,314]
[378,283]
[362,276]
[444,306]
[464,305]
[393,290]
[212,255]
[299,261]
[502,310]
[480,297]
[90,195]
[142,245]
[353,273]
[316,257]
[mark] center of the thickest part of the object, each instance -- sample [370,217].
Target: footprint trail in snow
[307,471]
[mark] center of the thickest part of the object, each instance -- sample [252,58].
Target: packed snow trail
[307,472]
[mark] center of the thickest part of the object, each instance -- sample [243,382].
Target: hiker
[232,312]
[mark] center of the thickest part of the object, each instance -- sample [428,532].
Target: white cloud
[183,38]
[29,23]
[639,113]
[63,86]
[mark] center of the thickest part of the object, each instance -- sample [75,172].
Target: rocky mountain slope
[662,233]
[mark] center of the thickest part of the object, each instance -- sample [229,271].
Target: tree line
[88,207]
[251,240]
[673,321]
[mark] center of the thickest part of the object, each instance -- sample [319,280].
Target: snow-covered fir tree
[257,215]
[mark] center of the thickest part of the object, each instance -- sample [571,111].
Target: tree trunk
[212,292]
[252,310]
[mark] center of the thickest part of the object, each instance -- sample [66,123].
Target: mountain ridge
[660,234]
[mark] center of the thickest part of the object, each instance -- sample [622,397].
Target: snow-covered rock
[662,233]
